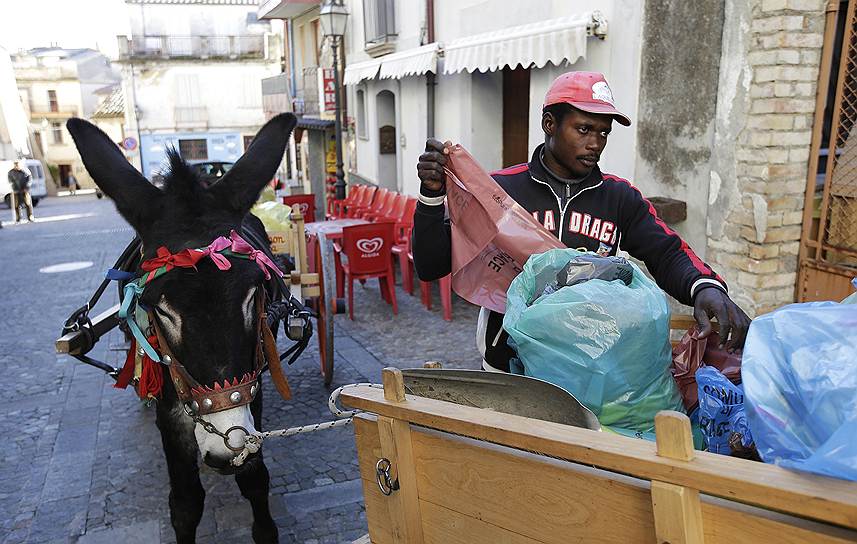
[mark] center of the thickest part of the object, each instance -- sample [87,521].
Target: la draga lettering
[581,223]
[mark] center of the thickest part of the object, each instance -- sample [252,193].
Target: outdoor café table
[320,237]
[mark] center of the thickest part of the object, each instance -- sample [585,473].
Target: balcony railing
[40,111]
[191,47]
[306,97]
[191,116]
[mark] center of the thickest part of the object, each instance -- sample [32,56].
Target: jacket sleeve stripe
[694,259]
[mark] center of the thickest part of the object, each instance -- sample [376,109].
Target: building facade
[190,77]
[55,85]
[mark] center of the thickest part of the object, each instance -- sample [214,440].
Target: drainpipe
[431,78]
[290,30]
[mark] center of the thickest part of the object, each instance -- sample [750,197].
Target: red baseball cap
[587,91]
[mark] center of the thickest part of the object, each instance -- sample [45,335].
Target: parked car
[210,172]
[38,187]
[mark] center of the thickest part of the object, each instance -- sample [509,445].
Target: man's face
[577,142]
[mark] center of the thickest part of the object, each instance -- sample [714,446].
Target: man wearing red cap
[565,190]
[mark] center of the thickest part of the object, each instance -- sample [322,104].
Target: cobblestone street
[82,461]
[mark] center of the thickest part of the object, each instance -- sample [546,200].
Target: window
[56,131]
[194,150]
[247,140]
[52,100]
[379,22]
[361,114]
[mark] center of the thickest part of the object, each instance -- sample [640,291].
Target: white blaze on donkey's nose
[211,444]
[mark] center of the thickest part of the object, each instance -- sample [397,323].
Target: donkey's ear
[239,188]
[134,196]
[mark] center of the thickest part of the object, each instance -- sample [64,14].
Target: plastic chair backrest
[387,205]
[367,195]
[306,205]
[368,247]
[405,224]
[378,201]
[398,207]
[355,193]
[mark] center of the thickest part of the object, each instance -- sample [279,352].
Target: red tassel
[127,372]
[151,376]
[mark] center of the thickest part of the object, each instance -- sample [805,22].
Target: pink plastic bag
[492,235]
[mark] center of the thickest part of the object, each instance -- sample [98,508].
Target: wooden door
[516,114]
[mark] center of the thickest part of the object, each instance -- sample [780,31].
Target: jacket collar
[537,171]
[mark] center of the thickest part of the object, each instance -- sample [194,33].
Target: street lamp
[334,19]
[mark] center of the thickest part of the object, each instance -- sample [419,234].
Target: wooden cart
[473,476]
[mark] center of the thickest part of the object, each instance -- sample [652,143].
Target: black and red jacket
[603,213]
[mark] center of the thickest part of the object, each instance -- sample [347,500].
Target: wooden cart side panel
[477,488]
[444,526]
[768,486]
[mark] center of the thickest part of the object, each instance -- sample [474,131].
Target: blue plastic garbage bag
[800,382]
[721,411]
[604,342]
[852,298]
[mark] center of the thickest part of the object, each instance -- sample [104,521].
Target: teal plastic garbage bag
[604,342]
[799,372]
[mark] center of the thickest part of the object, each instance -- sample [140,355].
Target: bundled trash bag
[274,215]
[589,267]
[800,381]
[606,343]
[692,353]
[722,417]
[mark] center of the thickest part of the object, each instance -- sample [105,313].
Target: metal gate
[828,252]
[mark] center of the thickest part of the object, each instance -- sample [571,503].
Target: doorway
[388,149]
[516,115]
[64,170]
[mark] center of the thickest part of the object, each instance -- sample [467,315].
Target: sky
[25,24]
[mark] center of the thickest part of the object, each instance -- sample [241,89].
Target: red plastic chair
[386,210]
[375,205]
[337,207]
[306,204]
[402,248]
[445,285]
[362,204]
[367,255]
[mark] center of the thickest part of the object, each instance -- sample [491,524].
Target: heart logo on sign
[303,207]
[369,245]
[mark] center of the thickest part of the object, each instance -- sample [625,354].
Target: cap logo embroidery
[600,91]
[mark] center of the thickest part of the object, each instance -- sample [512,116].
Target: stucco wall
[678,95]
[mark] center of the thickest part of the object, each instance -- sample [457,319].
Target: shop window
[194,150]
[52,100]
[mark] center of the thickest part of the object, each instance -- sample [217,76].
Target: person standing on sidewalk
[19,179]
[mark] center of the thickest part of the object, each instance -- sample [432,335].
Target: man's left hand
[712,302]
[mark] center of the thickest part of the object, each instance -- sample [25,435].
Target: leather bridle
[199,399]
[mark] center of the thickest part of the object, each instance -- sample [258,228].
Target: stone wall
[765,109]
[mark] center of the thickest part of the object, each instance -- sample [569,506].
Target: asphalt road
[81,460]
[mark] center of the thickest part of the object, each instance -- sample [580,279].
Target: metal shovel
[505,393]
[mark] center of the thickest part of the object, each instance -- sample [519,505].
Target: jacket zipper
[569,198]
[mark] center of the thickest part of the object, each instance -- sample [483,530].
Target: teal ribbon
[131,293]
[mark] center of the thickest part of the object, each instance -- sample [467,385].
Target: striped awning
[554,41]
[412,62]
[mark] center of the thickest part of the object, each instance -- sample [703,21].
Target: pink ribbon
[239,245]
[213,249]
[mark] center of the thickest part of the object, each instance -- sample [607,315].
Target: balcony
[191,117]
[306,97]
[191,47]
[44,111]
[276,97]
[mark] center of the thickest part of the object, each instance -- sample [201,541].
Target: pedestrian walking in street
[73,185]
[19,179]
[563,187]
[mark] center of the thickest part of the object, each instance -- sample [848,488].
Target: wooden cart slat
[767,486]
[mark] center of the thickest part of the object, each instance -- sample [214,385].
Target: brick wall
[756,249]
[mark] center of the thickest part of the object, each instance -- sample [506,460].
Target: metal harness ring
[382,475]
[226,437]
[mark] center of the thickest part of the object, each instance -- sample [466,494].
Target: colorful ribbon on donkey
[217,251]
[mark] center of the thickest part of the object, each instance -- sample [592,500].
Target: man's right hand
[431,163]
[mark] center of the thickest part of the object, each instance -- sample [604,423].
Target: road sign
[129,144]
